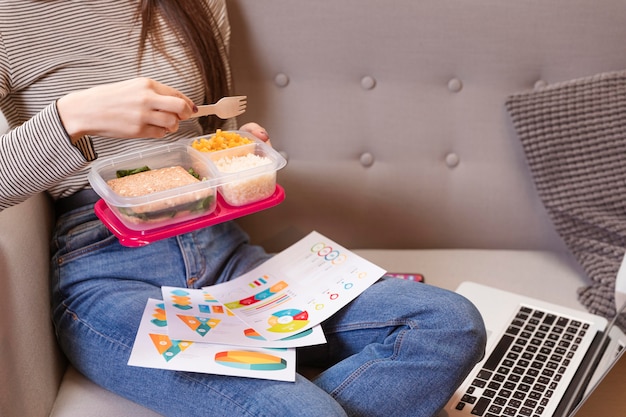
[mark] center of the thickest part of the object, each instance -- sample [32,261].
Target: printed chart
[196,315]
[298,288]
[251,325]
[154,348]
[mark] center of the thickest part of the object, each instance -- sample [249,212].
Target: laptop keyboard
[526,366]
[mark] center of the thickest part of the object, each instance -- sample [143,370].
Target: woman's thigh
[99,345]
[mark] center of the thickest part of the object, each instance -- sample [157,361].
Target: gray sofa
[392,118]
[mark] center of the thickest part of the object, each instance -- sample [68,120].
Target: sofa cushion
[79,397]
[550,276]
[574,137]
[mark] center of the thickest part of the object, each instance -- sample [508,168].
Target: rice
[250,189]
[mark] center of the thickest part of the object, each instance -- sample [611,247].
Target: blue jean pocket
[78,235]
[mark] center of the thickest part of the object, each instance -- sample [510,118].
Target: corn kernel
[220,141]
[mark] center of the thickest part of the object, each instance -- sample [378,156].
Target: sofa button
[368,82]
[540,84]
[281,80]
[367,159]
[452,160]
[455,85]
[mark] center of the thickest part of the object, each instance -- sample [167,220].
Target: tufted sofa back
[392,114]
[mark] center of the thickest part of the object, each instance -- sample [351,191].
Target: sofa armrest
[32,366]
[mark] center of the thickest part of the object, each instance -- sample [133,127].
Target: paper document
[196,315]
[298,288]
[154,348]
[250,326]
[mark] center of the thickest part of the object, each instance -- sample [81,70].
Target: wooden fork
[225,108]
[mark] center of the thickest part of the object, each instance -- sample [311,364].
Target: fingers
[256,130]
[166,99]
[160,108]
[156,132]
[163,119]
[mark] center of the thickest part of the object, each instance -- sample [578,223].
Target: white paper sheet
[196,315]
[298,288]
[153,348]
[254,321]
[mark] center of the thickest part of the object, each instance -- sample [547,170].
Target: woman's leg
[102,353]
[100,290]
[400,349]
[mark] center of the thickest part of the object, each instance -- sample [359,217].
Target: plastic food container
[247,173]
[162,208]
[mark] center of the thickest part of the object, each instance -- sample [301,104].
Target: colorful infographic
[180,299]
[250,326]
[167,347]
[253,334]
[158,316]
[298,288]
[288,321]
[200,325]
[204,319]
[154,348]
[260,296]
[253,361]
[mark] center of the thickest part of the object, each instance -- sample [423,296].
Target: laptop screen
[605,369]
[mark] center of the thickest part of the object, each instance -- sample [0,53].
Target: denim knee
[469,327]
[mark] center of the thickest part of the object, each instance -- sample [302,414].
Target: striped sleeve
[28,165]
[5,69]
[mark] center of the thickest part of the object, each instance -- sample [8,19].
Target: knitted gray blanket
[574,137]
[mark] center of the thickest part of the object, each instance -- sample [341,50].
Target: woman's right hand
[140,107]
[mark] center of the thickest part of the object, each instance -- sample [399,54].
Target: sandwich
[145,181]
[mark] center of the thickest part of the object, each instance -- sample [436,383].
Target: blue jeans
[400,349]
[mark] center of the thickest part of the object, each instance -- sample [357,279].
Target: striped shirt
[51,48]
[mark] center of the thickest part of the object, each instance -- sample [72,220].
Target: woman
[89,79]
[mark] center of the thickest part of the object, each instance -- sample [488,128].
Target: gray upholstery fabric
[574,137]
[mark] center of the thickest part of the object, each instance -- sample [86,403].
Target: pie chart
[254,361]
[287,321]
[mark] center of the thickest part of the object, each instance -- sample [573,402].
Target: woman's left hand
[257,131]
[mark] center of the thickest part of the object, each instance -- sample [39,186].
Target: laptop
[541,359]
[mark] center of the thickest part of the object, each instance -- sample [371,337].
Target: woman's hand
[140,107]
[257,131]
